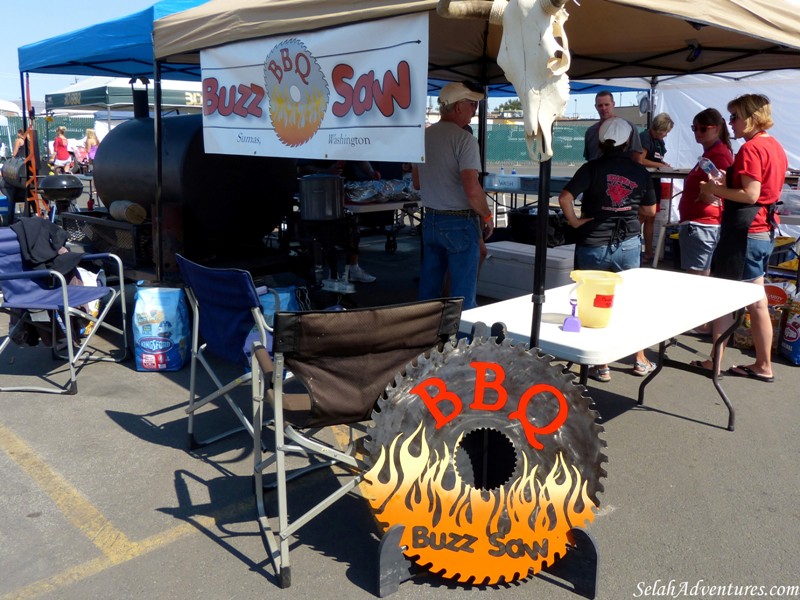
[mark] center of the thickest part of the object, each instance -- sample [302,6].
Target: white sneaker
[359,275]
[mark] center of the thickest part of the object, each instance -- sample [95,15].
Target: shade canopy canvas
[607,38]
[682,98]
[102,93]
[116,48]
[9,109]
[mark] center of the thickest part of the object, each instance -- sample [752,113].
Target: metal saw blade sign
[488,456]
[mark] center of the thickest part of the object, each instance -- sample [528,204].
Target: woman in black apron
[747,231]
[617,192]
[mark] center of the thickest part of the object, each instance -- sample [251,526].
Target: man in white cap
[456,213]
[617,192]
[604,103]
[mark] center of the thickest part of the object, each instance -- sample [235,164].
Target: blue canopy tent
[505,90]
[117,48]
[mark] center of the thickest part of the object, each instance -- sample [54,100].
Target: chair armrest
[263,358]
[96,255]
[108,256]
[36,274]
[264,289]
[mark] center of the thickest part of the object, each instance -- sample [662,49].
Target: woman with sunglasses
[747,231]
[699,229]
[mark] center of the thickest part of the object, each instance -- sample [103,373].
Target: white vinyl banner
[355,92]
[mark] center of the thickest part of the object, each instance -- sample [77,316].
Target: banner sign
[355,92]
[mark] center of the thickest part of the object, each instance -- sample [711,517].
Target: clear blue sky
[26,22]
[35,21]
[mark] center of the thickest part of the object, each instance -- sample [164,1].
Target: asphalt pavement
[100,498]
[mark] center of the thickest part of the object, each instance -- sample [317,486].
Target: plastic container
[709,167]
[595,292]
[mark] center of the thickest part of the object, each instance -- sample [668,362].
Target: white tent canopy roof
[8,108]
[607,38]
[682,98]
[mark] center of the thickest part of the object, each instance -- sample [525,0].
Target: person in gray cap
[456,213]
[617,192]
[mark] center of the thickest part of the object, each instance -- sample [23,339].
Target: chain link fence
[46,129]
[505,141]
[505,144]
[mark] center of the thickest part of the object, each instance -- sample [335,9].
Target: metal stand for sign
[393,567]
[579,567]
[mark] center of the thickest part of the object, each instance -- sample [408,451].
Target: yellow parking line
[100,564]
[82,514]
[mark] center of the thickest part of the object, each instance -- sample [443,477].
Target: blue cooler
[4,217]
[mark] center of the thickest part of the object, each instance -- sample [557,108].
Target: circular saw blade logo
[298,92]
[619,189]
[490,488]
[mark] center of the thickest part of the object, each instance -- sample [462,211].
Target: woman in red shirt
[61,156]
[747,232]
[700,221]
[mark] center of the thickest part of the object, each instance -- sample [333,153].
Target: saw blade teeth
[402,412]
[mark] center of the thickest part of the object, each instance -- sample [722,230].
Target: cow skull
[531,57]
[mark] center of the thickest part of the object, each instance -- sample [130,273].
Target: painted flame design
[469,534]
[296,122]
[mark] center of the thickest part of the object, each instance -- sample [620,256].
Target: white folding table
[651,307]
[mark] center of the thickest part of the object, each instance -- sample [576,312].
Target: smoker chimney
[140,104]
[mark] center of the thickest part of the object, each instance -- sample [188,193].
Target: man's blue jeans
[613,257]
[450,243]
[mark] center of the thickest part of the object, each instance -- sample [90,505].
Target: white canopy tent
[607,39]
[683,97]
[9,109]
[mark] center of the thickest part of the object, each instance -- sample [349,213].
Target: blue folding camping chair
[227,319]
[26,292]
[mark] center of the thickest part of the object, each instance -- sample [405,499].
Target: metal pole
[482,118]
[540,259]
[159,138]
[24,104]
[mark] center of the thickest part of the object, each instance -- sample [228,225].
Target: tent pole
[25,106]
[540,258]
[157,216]
[483,115]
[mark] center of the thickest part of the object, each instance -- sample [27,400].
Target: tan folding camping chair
[344,360]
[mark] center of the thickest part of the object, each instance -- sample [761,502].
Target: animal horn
[466,9]
[551,7]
